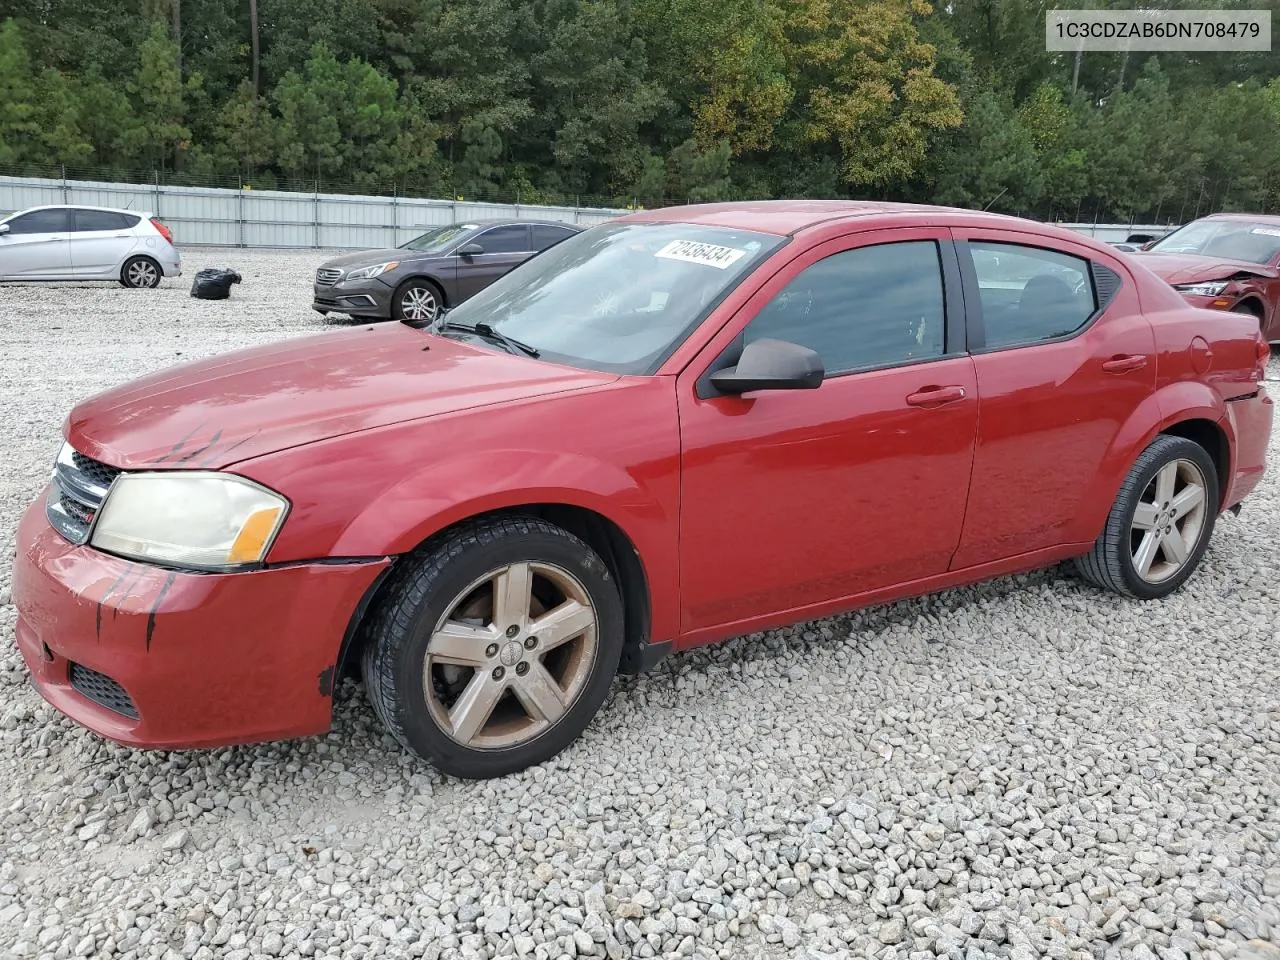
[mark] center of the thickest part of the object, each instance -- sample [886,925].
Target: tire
[141,273]
[420,291]
[423,703]
[1115,561]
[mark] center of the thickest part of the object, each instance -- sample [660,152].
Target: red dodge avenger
[676,427]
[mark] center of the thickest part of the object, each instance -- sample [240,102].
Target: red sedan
[677,427]
[1227,261]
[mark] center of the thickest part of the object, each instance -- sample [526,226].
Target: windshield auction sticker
[707,254]
[1187,30]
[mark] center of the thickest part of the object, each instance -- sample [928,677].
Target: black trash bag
[213,284]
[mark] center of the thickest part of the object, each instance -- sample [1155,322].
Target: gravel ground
[1025,768]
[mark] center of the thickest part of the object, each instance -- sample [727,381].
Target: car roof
[787,217]
[508,221]
[84,206]
[1245,217]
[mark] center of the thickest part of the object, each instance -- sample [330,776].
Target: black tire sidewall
[408,653]
[124,273]
[397,313]
[1173,448]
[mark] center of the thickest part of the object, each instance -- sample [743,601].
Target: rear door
[1063,357]
[99,241]
[505,247]
[35,246]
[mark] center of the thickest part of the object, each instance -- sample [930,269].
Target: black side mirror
[771,365]
[470,250]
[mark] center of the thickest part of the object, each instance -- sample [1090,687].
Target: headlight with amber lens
[1210,288]
[202,520]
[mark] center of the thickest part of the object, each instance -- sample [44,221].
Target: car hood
[1194,268]
[215,412]
[367,258]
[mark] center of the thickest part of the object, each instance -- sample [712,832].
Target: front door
[505,248]
[792,500]
[35,246]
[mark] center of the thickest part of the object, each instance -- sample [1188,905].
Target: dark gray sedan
[437,270]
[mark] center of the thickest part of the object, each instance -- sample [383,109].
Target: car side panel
[381,492]
[1048,414]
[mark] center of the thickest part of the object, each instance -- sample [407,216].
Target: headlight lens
[1209,289]
[203,520]
[377,270]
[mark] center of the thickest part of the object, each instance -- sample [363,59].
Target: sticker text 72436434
[707,254]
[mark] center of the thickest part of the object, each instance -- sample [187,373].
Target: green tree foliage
[645,101]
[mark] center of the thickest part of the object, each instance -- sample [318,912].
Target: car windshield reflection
[1249,241]
[618,297]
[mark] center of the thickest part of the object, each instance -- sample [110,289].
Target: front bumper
[155,658]
[361,298]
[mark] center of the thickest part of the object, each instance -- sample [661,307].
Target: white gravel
[1026,768]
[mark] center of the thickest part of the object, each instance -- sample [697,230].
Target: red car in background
[1227,261]
[680,426]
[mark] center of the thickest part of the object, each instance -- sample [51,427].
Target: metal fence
[209,216]
[268,218]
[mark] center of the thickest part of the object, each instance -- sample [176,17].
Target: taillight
[1263,356]
[164,231]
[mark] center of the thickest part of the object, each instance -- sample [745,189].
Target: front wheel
[492,651]
[417,300]
[1160,524]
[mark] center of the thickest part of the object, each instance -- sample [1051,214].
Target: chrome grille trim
[328,276]
[76,493]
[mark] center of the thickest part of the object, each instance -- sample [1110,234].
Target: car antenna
[995,198]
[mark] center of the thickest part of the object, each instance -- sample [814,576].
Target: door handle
[54,239]
[1124,364]
[935,396]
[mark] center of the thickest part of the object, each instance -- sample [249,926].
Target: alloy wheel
[143,273]
[1168,520]
[419,303]
[511,656]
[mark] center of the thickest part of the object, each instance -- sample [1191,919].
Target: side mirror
[4,228]
[470,250]
[771,365]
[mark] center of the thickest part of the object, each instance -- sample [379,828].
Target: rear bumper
[1251,421]
[159,659]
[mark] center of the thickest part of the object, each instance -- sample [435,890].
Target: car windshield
[434,241]
[618,297]
[1229,239]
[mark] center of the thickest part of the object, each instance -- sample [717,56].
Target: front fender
[1172,404]
[448,491]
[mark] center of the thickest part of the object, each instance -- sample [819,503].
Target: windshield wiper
[488,333]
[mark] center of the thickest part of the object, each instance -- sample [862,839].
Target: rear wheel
[142,272]
[1160,524]
[417,299]
[492,651]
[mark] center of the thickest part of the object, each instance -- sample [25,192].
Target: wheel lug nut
[522,668]
[491,650]
[512,630]
[530,642]
[498,673]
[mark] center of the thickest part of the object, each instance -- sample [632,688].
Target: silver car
[87,243]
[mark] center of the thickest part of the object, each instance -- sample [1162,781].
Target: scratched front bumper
[207,659]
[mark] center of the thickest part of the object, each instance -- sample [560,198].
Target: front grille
[102,690]
[327,276]
[99,473]
[80,484]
